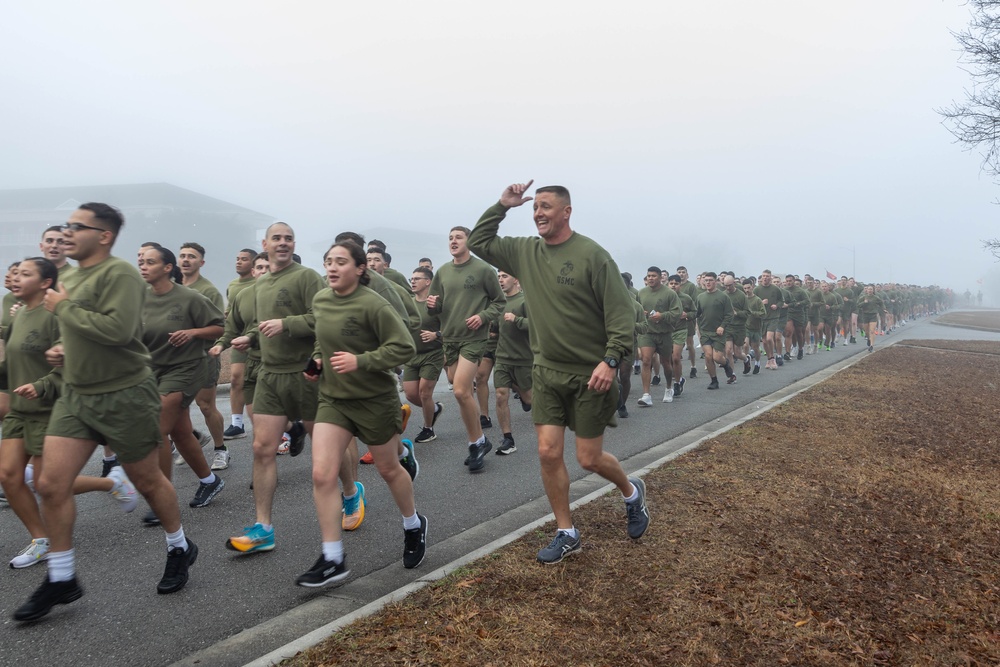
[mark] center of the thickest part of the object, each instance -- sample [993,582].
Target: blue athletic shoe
[254,538]
[354,509]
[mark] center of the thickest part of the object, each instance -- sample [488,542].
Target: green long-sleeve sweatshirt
[364,324]
[514,344]
[235,287]
[30,334]
[739,301]
[101,328]
[771,295]
[662,300]
[714,310]
[287,295]
[464,290]
[580,309]
[241,317]
[163,314]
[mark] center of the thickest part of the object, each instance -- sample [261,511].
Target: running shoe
[756,368]
[561,546]
[655,381]
[506,447]
[150,519]
[746,365]
[694,372]
[485,422]
[646,401]
[524,406]
[175,574]
[206,492]
[296,438]
[46,596]
[178,458]
[32,554]
[354,509]
[233,432]
[853,340]
[123,490]
[714,384]
[786,356]
[367,458]
[779,361]
[254,538]
[638,515]
[406,410]
[426,435]
[283,445]
[324,572]
[106,466]
[680,386]
[477,455]
[799,355]
[438,409]
[409,461]
[731,379]
[623,412]
[677,389]
[415,544]
[221,460]
[668,395]
[3,497]
[204,439]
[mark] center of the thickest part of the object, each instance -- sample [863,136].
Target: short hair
[267,232]
[107,214]
[654,269]
[681,268]
[194,246]
[376,242]
[263,256]
[709,274]
[46,269]
[765,272]
[13,265]
[425,259]
[249,251]
[375,250]
[53,228]
[676,278]
[557,190]
[748,281]
[387,257]
[460,228]
[296,258]
[424,270]
[350,236]
[150,244]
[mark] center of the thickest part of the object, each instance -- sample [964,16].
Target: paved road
[237,608]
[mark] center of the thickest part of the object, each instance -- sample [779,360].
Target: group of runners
[104,355]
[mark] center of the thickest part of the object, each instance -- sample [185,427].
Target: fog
[727,135]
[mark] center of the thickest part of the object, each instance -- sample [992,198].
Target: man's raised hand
[514,194]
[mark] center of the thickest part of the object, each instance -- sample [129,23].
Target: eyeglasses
[78,226]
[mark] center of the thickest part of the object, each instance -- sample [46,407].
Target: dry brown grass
[981,319]
[857,524]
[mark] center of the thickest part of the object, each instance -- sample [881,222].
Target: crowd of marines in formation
[102,355]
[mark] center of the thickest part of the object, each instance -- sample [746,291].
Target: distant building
[157,212]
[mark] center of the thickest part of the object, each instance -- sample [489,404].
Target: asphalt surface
[237,608]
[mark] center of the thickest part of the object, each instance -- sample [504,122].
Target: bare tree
[975,121]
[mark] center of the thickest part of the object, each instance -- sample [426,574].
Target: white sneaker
[123,491]
[646,401]
[178,459]
[221,460]
[668,395]
[34,553]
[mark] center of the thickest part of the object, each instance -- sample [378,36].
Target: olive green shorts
[250,372]
[473,350]
[214,368]
[286,395]
[798,320]
[127,420]
[491,348]
[424,366]
[814,318]
[374,420]
[662,343]
[187,379]
[29,428]
[736,334]
[714,341]
[237,356]
[769,325]
[680,336]
[510,376]
[563,399]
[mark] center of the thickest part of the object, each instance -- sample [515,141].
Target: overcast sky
[795,136]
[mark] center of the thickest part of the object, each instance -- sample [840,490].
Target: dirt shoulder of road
[855,524]
[986,320]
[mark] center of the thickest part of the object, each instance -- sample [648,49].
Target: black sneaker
[746,366]
[636,370]
[833,344]
[409,462]
[731,379]
[756,369]
[638,515]
[297,438]
[233,431]
[561,546]
[324,572]
[46,596]
[415,544]
[175,575]
[714,384]
[506,447]
[203,496]
[485,422]
[655,381]
[778,360]
[786,356]
[151,519]
[681,386]
[106,466]
[426,435]
[477,455]
[677,389]
[694,372]
[524,406]
[438,408]
[799,355]
[623,412]
[854,340]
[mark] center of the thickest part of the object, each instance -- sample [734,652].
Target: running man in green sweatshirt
[581,327]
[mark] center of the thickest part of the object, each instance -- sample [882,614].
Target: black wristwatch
[611,361]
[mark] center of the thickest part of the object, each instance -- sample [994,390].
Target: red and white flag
[830,275]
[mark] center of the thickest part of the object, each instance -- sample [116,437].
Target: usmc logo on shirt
[470,282]
[352,327]
[32,343]
[564,277]
[283,299]
[175,314]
